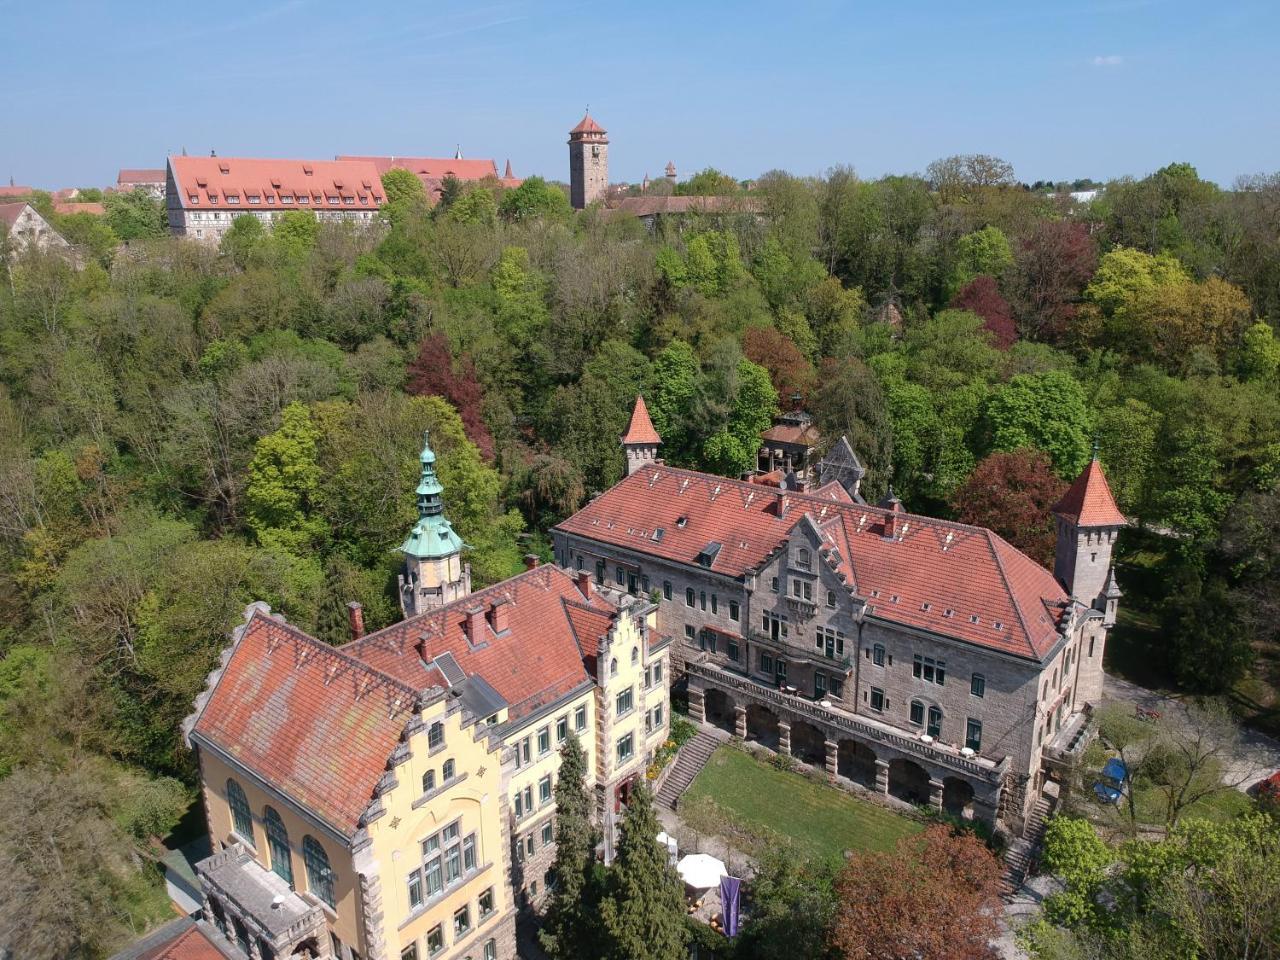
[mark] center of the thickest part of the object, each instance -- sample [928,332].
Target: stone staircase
[693,756]
[1021,852]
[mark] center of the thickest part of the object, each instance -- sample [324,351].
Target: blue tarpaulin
[1116,770]
[729,889]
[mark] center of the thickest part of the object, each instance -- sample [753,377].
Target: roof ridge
[327,649]
[1014,599]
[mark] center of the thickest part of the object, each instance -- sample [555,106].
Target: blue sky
[1061,89]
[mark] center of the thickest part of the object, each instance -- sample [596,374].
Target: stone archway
[762,725]
[808,743]
[718,708]
[957,797]
[908,781]
[856,761]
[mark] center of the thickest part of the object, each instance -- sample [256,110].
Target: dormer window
[224,169]
[681,522]
[306,169]
[803,558]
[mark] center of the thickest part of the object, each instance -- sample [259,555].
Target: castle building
[917,657]
[434,572]
[395,797]
[204,195]
[588,163]
[150,180]
[433,171]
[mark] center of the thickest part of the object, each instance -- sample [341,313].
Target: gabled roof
[10,212]
[433,168]
[1088,502]
[181,939]
[313,721]
[640,428]
[139,175]
[535,662]
[235,183]
[955,580]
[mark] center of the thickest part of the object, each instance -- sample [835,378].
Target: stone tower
[588,163]
[641,441]
[1088,522]
[434,573]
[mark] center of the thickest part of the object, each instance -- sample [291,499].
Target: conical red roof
[1088,502]
[640,429]
[507,174]
[587,125]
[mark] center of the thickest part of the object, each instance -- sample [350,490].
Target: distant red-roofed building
[394,796]
[151,179]
[67,207]
[433,171]
[23,227]
[16,191]
[927,659]
[204,195]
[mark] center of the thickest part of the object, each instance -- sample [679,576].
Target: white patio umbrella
[669,842]
[701,871]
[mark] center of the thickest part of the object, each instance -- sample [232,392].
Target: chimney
[355,619]
[475,624]
[531,561]
[500,615]
[891,519]
[584,583]
[782,502]
[421,646]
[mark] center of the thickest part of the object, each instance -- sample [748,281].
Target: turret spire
[434,572]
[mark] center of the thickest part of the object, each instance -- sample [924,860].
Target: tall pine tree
[332,625]
[570,928]
[643,911]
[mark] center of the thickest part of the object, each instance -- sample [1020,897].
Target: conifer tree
[332,625]
[643,912]
[569,930]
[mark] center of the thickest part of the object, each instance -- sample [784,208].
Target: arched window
[319,876]
[613,667]
[450,770]
[428,781]
[635,655]
[278,843]
[241,819]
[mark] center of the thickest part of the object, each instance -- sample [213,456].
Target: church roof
[313,721]
[949,578]
[640,429]
[1088,502]
[587,125]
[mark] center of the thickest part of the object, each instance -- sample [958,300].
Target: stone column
[697,706]
[784,737]
[935,794]
[740,721]
[882,776]
[833,756]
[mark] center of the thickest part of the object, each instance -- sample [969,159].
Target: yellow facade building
[395,797]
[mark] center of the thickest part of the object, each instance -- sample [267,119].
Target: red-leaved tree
[935,897]
[1013,494]
[435,373]
[981,295]
[1051,268]
[790,372]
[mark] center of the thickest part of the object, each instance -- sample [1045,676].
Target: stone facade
[787,654]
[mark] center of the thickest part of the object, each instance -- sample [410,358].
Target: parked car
[1114,782]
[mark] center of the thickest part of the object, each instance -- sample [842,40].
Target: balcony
[790,652]
[1067,746]
[802,610]
[840,720]
[259,906]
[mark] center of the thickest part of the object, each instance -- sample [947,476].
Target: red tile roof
[801,434]
[952,579]
[537,661]
[190,944]
[219,183]
[16,191]
[433,168]
[10,212]
[70,207]
[1088,502]
[654,206]
[130,175]
[640,429]
[313,721]
[587,125]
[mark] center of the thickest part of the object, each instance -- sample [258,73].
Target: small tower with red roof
[641,441]
[1088,523]
[588,163]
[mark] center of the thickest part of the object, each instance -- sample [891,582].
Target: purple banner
[729,887]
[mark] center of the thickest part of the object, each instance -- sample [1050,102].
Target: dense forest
[184,428]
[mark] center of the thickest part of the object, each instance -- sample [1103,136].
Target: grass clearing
[822,820]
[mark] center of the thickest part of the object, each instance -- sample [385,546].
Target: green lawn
[821,820]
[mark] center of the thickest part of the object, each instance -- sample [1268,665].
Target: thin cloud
[1108,60]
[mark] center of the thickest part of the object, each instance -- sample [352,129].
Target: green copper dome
[432,535]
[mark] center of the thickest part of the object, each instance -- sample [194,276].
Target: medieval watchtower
[588,163]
